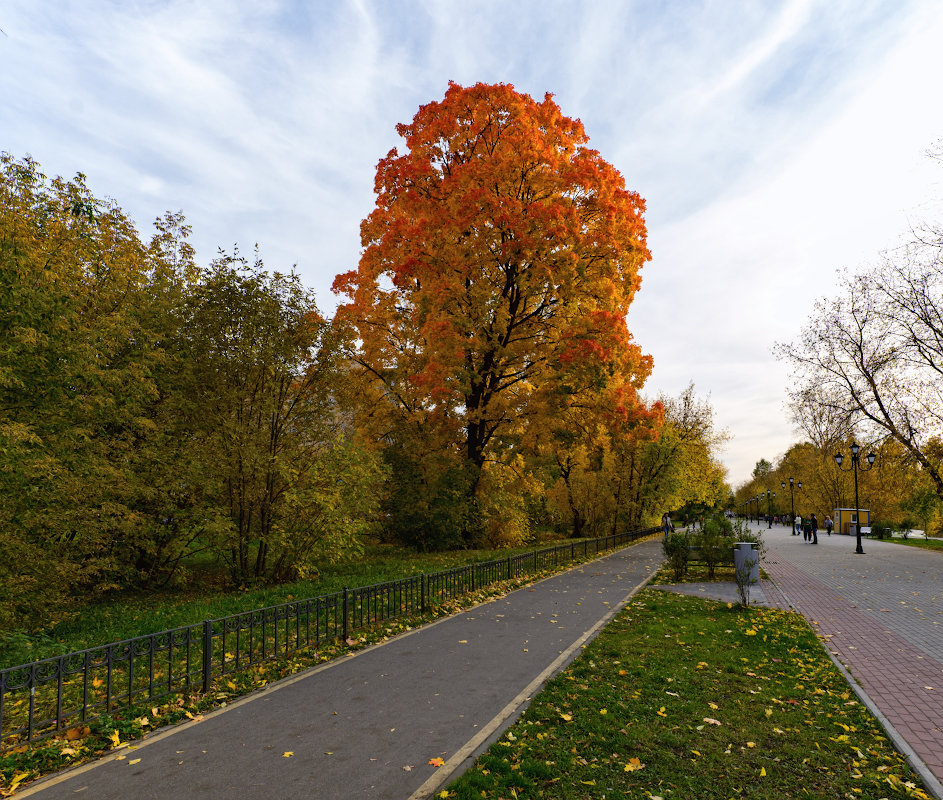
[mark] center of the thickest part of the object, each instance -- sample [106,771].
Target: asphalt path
[367,725]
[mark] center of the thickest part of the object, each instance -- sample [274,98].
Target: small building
[846,520]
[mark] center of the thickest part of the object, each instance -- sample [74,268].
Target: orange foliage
[497,270]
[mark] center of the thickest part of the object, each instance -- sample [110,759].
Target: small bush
[715,541]
[880,529]
[675,546]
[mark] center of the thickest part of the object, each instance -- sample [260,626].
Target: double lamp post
[855,459]
[792,503]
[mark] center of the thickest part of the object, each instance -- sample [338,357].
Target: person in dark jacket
[815,529]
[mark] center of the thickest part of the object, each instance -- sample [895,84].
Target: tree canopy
[497,270]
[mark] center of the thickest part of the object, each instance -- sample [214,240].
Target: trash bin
[743,553]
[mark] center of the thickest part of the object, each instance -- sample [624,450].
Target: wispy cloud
[773,142]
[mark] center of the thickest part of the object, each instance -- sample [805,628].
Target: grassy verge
[685,698]
[926,544]
[130,615]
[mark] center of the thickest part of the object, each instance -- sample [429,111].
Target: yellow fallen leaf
[463,641]
[603,711]
[18,778]
[633,766]
[751,744]
[288,754]
[134,761]
[696,752]
[436,762]
[115,738]
[713,705]
[566,717]
[661,712]
[711,721]
[762,772]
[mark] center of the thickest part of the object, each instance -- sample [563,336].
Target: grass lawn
[684,698]
[926,544]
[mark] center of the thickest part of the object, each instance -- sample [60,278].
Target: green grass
[683,698]
[926,544]
[129,615]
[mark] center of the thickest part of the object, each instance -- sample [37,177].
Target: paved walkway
[366,726]
[881,615]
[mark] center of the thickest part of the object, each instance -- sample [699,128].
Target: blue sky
[774,142]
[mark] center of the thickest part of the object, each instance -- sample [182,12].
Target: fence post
[422,594]
[207,655]
[346,607]
[509,568]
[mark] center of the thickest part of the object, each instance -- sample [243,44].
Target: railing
[44,697]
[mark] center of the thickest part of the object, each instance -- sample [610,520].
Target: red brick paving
[904,681]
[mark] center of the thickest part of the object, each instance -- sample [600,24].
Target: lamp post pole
[855,459]
[792,503]
[769,506]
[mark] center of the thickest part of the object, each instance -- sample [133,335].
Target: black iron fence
[44,697]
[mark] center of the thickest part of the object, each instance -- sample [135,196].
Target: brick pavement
[881,615]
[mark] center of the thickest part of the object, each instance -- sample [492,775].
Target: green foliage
[675,546]
[715,540]
[431,505]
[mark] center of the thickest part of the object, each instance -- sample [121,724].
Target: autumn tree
[85,313]
[286,479]
[497,270]
[870,359]
[680,467]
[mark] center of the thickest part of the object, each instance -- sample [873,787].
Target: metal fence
[44,697]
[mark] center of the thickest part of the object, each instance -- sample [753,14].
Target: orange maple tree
[497,270]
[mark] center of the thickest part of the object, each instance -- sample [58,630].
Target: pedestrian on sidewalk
[815,529]
[796,525]
[666,524]
[829,524]
[807,529]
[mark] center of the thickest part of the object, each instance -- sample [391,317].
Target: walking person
[666,523]
[796,525]
[807,529]
[829,524]
[815,529]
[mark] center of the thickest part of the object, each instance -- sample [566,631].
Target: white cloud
[773,142]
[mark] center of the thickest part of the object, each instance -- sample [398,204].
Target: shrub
[715,540]
[675,546]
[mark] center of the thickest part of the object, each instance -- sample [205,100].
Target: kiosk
[846,521]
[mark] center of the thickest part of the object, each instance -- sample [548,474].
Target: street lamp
[855,458]
[792,503]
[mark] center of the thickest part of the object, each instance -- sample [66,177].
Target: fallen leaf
[762,772]
[134,761]
[633,766]
[713,705]
[661,712]
[77,733]
[711,721]
[566,717]
[436,762]
[114,738]
[288,754]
